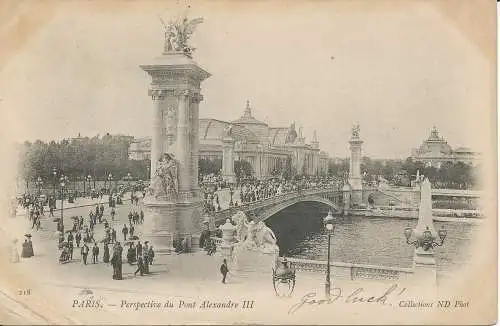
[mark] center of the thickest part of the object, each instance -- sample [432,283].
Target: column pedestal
[228,160]
[424,268]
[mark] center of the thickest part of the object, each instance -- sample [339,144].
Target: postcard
[241,162]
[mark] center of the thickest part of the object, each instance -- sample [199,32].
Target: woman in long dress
[106,253]
[25,253]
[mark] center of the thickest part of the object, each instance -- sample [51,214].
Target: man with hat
[95,253]
[84,251]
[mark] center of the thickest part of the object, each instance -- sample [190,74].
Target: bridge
[403,201]
[265,208]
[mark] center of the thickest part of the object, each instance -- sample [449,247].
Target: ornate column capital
[197,98]
[156,94]
[181,92]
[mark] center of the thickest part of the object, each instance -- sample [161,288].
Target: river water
[363,240]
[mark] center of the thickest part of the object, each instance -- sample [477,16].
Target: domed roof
[247,117]
[215,129]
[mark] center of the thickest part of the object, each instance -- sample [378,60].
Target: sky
[397,68]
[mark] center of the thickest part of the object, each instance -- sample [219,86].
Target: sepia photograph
[238,162]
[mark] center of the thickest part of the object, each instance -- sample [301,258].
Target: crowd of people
[82,237]
[252,189]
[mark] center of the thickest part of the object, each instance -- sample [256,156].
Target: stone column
[228,160]
[195,139]
[157,137]
[183,144]
[355,170]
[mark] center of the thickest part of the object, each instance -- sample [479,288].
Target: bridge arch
[281,206]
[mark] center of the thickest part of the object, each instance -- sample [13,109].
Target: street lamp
[54,174]
[110,178]
[62,183]
[426,240]
[329,226]
[129,177]
[89,178]
[39,183]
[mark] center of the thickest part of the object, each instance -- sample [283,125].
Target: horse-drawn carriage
[284,278]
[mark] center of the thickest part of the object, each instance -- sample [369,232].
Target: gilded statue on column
[178,32]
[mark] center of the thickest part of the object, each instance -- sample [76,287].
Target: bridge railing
[227,212]
[351,271]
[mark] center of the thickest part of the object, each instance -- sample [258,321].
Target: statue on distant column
[177,34]
[355,131]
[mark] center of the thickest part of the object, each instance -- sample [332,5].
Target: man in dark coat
[125,232]
[116,261]
[84,251]
[224,270]
[78,238]
[138,248]
[95,253]
[140,266]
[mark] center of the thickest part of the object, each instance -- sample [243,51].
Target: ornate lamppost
[426,241]
[329,226]
[39,183]
[129,177]
[110,179]
[231,191]
[89,178]
[54,174]
[63,182]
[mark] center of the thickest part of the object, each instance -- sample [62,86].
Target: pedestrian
[130,215]
[51,210]
[95,253]
[125,232]
[84,251]
[138,248]
[131,254]
[70,250]
[113,212]
[224,270]
[105,257]
[142,217]
[70,237]
[131,231]
[116,261]
[151,255]
[113,235]
[140,266]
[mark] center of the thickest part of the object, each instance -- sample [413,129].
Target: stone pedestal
[424,268]
[253,264]
[228,160]
[355,170]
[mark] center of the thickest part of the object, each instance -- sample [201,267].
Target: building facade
[140,149]
[434,151]
[266,148]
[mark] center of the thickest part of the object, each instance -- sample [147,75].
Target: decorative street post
[129,176]
[110,179]
[54,173]
[39,183]
[63,181]
[329,225]
[84,182]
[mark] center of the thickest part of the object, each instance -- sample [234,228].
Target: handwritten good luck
[355,297]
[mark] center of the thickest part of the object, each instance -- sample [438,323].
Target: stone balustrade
[351,271]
